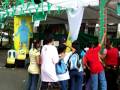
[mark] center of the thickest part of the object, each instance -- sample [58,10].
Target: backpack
[61,67]
[74,61]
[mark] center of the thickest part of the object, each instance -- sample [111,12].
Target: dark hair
[35,42]
[108,43]
[49,38]
[93,44]
[61,48]
[76,46]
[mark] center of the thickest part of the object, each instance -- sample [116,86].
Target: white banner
[74,3]
[75,17]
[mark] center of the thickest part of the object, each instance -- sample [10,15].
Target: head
[109,44]
[61,49]
[75,46]
[36,44]
[93,44]
[49,39]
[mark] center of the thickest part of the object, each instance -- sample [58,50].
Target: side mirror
[38,1]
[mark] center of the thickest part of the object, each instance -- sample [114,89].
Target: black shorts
[50,86]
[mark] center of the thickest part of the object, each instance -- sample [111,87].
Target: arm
[68,46]
[103,38]
[104,54]
[38,58]
[101,59]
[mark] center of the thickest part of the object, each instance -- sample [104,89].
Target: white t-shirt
[33,67]
[65,76]
[49,56]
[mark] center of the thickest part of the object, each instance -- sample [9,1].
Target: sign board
[39,16]
[36,23]
[22,32]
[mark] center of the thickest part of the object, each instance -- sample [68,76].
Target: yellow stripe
[68,43]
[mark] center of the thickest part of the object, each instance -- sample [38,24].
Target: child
[63,78]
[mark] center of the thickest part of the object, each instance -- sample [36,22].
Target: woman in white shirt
[33,68]
[49,57]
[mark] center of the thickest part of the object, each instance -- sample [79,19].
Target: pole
[103,18]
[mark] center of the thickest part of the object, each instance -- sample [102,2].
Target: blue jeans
[76,80]
[32,81]
[63,85]
[87,87]
[100,77]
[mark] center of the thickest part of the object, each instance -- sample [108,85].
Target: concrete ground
[11,78]
[3,57]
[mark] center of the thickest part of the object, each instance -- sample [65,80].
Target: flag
[75,17]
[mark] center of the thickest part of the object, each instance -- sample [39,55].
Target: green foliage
[86,39]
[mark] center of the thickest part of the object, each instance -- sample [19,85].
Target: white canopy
[64,4]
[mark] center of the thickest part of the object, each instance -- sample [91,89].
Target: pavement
[11,78]
[3,57]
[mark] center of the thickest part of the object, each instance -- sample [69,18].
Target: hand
[105,32]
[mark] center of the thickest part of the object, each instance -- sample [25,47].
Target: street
[11,78]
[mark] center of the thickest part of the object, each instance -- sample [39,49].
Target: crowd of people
[81,69]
